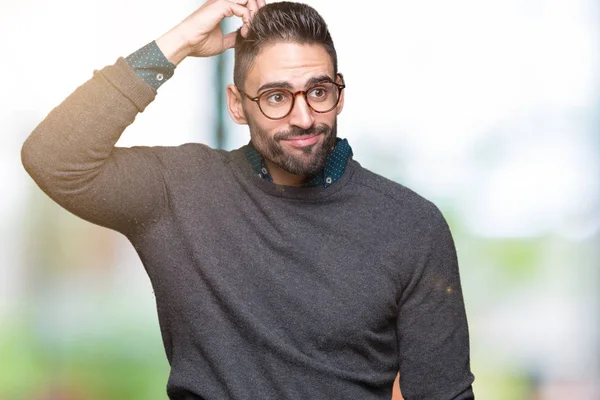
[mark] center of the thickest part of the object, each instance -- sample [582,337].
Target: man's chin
[305,161]
[302,169]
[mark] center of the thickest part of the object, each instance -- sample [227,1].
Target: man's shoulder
[191,153]
[181,163]
[186,149]
[383,191]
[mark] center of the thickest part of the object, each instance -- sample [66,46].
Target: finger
[244,30]
[229,40]
[261,3]
[252,6]
[232,9]
[240,2]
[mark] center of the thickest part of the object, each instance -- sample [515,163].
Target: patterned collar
[334,167]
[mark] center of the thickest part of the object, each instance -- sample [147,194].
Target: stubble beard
[313,157]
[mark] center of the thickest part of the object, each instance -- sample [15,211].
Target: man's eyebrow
[318,79]
[286,85]
[275,85]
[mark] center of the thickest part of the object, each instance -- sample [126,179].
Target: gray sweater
[264,291]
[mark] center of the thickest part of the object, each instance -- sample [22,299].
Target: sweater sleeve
[72,156]
[432,332]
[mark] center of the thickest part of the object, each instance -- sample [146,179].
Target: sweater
[264,291]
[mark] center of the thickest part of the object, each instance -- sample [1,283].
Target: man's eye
[318,93]
[277,98]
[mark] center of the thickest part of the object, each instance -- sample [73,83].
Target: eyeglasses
[278,103]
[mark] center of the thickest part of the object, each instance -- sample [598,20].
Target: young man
[283,269]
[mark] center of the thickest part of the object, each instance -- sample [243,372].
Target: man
[283,269]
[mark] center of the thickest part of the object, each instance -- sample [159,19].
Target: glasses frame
[256,99]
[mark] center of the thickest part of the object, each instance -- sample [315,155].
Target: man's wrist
[174,45]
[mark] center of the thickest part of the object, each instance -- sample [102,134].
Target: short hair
[280,22]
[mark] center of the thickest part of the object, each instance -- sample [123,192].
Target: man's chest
[315,281]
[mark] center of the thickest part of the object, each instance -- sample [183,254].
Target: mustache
[298,132]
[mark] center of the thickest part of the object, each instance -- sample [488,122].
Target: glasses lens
[323,97]
[276,103]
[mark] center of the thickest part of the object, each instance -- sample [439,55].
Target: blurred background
[491,109]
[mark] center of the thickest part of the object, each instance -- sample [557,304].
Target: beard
[312,158]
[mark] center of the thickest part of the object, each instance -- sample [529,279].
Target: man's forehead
[292,62]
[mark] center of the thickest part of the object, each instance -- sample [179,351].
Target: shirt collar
[333,170]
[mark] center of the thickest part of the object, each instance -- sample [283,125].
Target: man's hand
[200,35]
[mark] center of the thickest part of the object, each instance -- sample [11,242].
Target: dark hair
[280,22]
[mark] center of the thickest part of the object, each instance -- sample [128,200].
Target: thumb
[229,40]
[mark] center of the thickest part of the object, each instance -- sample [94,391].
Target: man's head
[280,23]
[288,46]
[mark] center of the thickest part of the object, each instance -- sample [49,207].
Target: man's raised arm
[71,154]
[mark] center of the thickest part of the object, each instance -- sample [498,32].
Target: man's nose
[301,114]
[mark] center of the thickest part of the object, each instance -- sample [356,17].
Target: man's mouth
[301,141]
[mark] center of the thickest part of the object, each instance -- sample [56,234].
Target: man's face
[301,142]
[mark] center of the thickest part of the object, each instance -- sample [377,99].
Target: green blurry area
[87,369]
[85,325]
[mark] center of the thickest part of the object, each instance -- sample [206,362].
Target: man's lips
[302,141]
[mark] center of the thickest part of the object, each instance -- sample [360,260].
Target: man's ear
[340,106]
[234,105]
